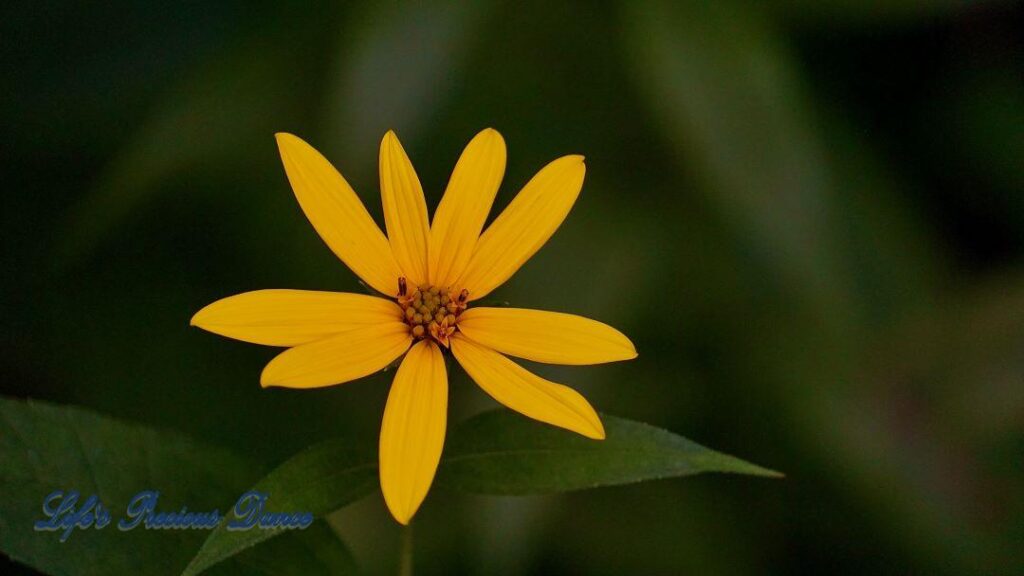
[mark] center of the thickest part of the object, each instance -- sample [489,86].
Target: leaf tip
[755,470]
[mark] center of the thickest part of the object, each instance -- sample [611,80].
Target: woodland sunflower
[427,275]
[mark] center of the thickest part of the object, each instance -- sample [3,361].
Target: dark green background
[807,215]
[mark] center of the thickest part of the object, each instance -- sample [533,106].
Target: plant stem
[405,561]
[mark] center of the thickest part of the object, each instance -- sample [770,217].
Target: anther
[431,311]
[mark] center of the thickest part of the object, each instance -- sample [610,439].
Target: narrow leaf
[320,479]
[497,452]
[315,550]
[500,452]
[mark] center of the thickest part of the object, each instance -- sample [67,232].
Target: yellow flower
[428,276]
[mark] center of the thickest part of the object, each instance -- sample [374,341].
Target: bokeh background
[808,215]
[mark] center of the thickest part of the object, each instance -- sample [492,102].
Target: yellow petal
[412,433]
[463,210]
[338,215]
[550,337]
[524,392]
[524,226]
[405,210]
[339,358]
[292,317]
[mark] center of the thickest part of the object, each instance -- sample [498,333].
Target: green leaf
[315,550]
[497,452]
[501,452]
[320,479]
[46,447]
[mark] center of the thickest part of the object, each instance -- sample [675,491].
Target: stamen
[431,311]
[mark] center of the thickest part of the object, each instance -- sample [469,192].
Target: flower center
[431,311]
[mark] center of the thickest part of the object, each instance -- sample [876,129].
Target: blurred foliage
[807,215]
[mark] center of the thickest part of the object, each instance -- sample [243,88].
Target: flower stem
[405,561]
